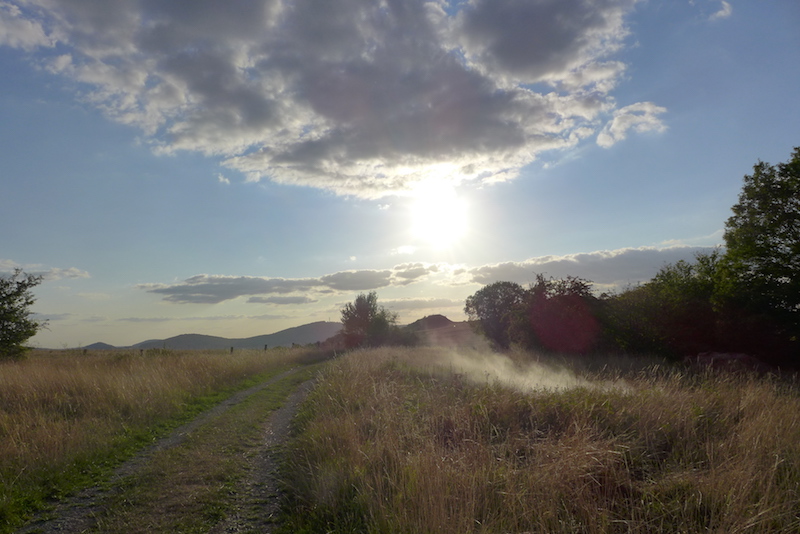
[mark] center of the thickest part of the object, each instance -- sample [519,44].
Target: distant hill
[430,322]
[439,330]
[301,335]
[99,346]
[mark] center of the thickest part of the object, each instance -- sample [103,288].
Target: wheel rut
[256,500]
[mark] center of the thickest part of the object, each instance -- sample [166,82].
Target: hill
[439,330]
[301,335]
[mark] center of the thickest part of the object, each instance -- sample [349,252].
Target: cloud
[280,300]
[408,273]
[36,269]
[358,97]
[641,117]
[725,11]
[357,280]
[213,289]
[421,303]
[198,318]
[606,268]
[541,41]
[17,31]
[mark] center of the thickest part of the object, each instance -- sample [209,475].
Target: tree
[561,315]
[495,307]
[763,241]
[367,324]
[16,325]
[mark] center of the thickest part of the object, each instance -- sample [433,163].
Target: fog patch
[484,367]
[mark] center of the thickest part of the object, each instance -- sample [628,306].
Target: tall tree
[365,323]
[495,306]
[561,313]
[16,325]
[763,239]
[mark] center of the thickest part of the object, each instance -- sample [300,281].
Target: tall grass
[66,417]
[389,442]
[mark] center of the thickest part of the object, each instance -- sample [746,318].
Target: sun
[438,215]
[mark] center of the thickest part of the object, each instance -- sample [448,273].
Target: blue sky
[242,167]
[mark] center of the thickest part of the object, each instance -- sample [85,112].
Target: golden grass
[63,414]
[392,442]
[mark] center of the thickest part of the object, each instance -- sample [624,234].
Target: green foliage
[673,314]
[366,324]
[16,326]
[495,306]
[763,240]
[557,315]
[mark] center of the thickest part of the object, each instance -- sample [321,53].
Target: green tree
[496,307]
[763,241]
[16,325]
[365,323]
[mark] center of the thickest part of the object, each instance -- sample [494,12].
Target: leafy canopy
[364,323]
[763,237]
[16,325]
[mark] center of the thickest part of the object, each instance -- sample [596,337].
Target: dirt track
[256,501]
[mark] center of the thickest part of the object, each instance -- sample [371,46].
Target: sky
[236,168]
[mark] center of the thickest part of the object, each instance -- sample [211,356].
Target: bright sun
[438,215]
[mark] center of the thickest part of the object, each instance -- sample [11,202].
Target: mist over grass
[433,440]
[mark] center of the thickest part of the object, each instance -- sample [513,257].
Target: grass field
[427,440]
[67,418]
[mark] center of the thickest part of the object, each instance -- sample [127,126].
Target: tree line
[743,297]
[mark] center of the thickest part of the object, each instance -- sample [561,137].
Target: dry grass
[391,442]
[67,417]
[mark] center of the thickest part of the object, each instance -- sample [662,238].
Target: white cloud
[36,269]
[357,97]
[641,117]
[18,31]
[404,249]
[725,11]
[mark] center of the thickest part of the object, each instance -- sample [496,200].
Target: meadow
[434,440]
[67,418]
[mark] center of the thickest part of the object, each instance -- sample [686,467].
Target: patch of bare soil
[257,500]
[257,503]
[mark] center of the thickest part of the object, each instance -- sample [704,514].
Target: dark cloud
[541,40]
[358,97]
[213,289]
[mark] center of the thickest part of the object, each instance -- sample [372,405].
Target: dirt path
[256,501]
[258,497]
